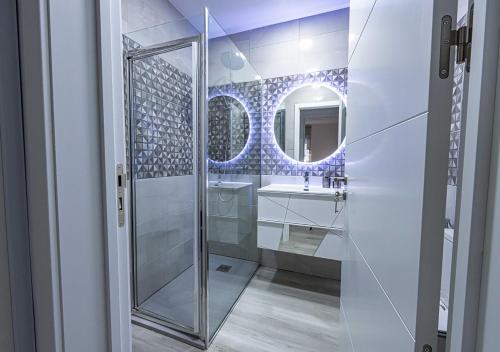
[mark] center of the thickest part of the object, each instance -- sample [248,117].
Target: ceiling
[236,16]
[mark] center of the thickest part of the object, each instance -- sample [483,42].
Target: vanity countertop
[298,189]
[228,185]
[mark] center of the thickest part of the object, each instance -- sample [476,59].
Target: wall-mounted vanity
[309,127]
[293,220]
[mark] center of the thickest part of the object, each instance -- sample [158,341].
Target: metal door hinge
[461,38]
[121,182]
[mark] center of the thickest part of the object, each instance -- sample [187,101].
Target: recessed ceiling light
[306,44]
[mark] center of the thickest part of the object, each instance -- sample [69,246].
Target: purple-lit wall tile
[274,91]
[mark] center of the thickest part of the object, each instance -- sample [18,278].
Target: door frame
[473,179]
[14,229]
[113,153]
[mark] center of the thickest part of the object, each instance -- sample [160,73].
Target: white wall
[313,43]
[62,126]
[141,14]
[154,22]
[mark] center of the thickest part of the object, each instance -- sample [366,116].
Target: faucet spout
[306,181]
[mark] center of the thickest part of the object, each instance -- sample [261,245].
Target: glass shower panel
[163,88]
[234,118]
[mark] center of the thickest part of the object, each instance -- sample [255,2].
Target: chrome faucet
[306,181]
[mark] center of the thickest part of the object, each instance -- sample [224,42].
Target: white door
[396,161]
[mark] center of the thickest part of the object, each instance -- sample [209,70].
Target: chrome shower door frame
[198,335]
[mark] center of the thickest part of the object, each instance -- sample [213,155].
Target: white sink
[228,185]
[298,189]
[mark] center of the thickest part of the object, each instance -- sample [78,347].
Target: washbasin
[296,188]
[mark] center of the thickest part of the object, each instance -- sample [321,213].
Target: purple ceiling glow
[241,15]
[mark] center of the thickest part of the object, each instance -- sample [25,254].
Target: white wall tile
[275,34]
[359,13]
[384,62]
[325,23]
[333,246]
[386,191]
[327,51]
[371,319]
[276,51]
[165,230]
[451,202]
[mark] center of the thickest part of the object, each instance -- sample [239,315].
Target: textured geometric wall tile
[162,115]
[455,126]
[250,95]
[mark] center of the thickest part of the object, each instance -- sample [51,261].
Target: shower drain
[224,268]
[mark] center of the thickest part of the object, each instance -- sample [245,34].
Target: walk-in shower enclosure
[190,263]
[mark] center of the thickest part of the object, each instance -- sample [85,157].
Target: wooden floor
[279,311]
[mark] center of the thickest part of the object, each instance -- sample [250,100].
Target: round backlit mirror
[309,125]
[228,128]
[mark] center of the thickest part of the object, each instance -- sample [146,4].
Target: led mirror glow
[309,124]
[228,128]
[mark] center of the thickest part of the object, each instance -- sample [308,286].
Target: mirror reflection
[228,128]
[310,123]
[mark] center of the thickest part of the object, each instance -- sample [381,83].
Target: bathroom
[276,127]
[249,175]
[286,67]
[272,205]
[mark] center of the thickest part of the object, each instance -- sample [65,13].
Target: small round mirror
[309,125]
[228,128]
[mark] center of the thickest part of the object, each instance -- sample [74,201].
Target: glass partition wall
[190,95]
[233,115]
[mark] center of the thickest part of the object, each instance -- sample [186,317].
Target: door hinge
[121,182]
[461,38]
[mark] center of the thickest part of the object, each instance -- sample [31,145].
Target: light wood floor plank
[279,312]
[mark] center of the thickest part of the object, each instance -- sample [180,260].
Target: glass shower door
[163,94]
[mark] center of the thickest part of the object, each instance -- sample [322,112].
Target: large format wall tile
[373,323]
[390,226]
[165,230]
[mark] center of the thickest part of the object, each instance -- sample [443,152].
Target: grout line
[361,33]
[383,290]
[389,127]
[346,324]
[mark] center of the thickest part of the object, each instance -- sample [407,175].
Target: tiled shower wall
[250,95]
[228,128]
[163,118]
[163,153]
